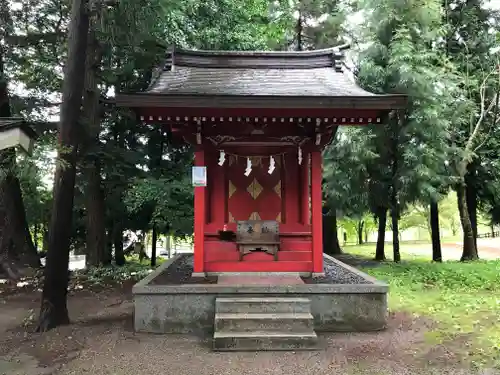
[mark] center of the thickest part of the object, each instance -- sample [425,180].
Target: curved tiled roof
[246,81]
[310,79]
[303,73]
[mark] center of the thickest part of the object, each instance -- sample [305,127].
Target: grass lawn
[462,298]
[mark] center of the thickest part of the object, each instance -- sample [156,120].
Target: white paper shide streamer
[300,156]
[248,170]
[222,158]
[272,165]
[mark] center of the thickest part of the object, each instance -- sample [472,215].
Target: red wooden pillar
[199,217]
[304,181]
[316,211]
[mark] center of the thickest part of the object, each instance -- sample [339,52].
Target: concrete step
[262,305]
[265,341]
[264,322]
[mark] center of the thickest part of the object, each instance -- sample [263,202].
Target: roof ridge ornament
[338,60]
[310,59]
[170,59]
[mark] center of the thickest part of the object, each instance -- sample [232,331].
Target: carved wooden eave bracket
[296,140]
[219,140]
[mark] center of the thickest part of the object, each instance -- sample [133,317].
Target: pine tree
[402,58]
[53,310]
[469,43]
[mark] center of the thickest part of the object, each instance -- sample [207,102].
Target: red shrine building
[258,122]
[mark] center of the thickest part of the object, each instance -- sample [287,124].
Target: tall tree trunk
[435,235]
[492,229]
[382,223]
[12,209]
[45,240]
[107,254]
[109,246]
[298,31]
[361,224]
[21,238]
[118,245]
[153,246]
[95,208]
[7,262]
[331,244]
[168,239]
[94,194]
[395,235]
[471,196]
[395,206]
[469,247]
[35,236]
[53,310]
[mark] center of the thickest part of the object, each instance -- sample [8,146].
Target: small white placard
[199,176]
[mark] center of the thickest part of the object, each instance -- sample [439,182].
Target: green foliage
[410,48]
[449,277]
[172,202]
[345,173]
[94,276]
[461,297]
[415,216]
[31,172]
[411,147]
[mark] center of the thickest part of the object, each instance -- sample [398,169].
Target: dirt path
[487,250]
[101,341]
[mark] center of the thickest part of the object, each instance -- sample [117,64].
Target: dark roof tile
[244,81]
[249,73]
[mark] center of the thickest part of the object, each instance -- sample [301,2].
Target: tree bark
[94,194]
[107,254]
[469,247]
[6,260]
[395,206]
[471,196]
[395,235]
[382,223]
[45,240]
[53,310]
[20,235]
[118,245]
[435,235]
[108,257]
[95,208]
[35,237]
[168,239]
[153,246]
[361,224]
[330,235]
[12,211]
[299,30]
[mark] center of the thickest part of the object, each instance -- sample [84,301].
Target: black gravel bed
[358,261]
[179,272]
[335,274]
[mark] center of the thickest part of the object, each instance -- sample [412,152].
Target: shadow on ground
[101,341]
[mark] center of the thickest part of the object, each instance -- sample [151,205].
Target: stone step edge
[263,316]
[265,334]
[264,300]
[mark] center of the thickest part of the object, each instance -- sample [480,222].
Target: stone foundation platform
[191,307]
